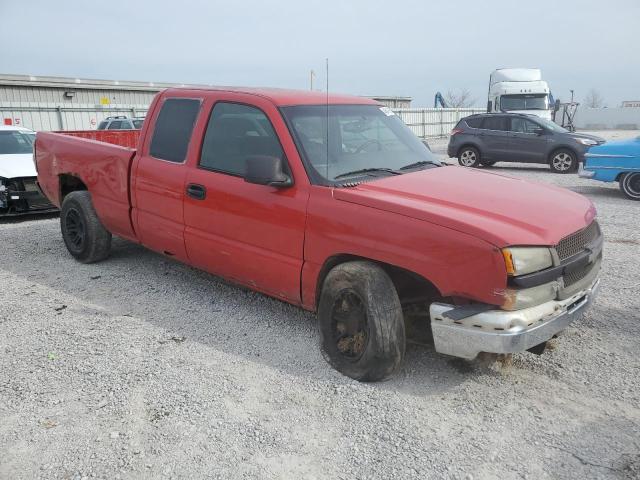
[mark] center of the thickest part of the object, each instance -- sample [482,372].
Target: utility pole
[311,77]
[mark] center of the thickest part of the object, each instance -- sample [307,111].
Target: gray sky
[401,47]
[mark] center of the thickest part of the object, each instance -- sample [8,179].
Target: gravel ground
[140,367]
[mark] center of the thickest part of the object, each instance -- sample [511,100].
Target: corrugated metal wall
[47,108]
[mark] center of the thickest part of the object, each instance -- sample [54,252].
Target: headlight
[586,141]
[517,299]
[523,260]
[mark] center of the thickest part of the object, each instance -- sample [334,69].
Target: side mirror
[266,170]
[538,131]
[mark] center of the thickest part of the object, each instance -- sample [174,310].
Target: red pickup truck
[333,204]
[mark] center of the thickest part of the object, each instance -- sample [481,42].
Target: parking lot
[141,367]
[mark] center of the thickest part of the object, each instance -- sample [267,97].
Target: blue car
[615,162]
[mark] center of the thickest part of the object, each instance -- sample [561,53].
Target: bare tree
[594,99]
[460,98]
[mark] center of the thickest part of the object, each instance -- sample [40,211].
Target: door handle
[196,191]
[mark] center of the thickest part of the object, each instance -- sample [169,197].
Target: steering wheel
[366,144]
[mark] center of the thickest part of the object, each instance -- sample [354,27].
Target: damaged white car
[19,193]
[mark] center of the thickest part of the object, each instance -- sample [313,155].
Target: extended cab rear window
[173,129]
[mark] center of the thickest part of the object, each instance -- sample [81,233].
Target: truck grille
[576,242]
[577,275]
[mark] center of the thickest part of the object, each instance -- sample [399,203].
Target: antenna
[327,104]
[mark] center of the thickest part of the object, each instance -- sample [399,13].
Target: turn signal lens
[508,261]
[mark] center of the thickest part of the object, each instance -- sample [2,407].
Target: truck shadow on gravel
[27,218]
[191,305]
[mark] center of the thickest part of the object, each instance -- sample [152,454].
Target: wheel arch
[68,183]
[410,286]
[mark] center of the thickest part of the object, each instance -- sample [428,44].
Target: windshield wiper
[366,170]
[417,164]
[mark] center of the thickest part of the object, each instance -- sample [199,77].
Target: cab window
[173,128]
[234,133]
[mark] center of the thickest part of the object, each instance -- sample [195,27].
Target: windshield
[14,142]
[360,137]
[551,125]
[523,102]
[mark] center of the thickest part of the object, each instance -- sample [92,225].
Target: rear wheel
[469,157]
[630,185]
[83,233]
[362,330]
[563,161]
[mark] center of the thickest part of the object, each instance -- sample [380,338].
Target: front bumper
[22,196]
[500,331]
[585,173]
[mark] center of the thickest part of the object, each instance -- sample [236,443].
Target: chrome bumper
[501,331]
[585,173]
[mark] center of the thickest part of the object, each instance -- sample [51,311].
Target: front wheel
[362,331]
[83,233]
[469,157]
[630,185]
[563,161]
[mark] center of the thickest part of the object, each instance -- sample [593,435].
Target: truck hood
[17,165]
[496,208]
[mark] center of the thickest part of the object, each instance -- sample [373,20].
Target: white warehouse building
[58,103]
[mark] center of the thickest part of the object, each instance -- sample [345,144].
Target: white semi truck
[520,90]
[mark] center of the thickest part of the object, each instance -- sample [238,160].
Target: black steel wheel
[83,233]
[75,229]
[349,325]
[362,332]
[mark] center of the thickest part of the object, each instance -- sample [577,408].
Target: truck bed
[101,160]
[124,138]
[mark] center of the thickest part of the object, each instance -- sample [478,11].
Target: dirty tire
[630,185]
[85,237]
[382,350]
[563,161]
[469,157]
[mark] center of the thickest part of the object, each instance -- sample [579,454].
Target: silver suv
[121,122]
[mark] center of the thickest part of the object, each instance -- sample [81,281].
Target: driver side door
[251,234]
